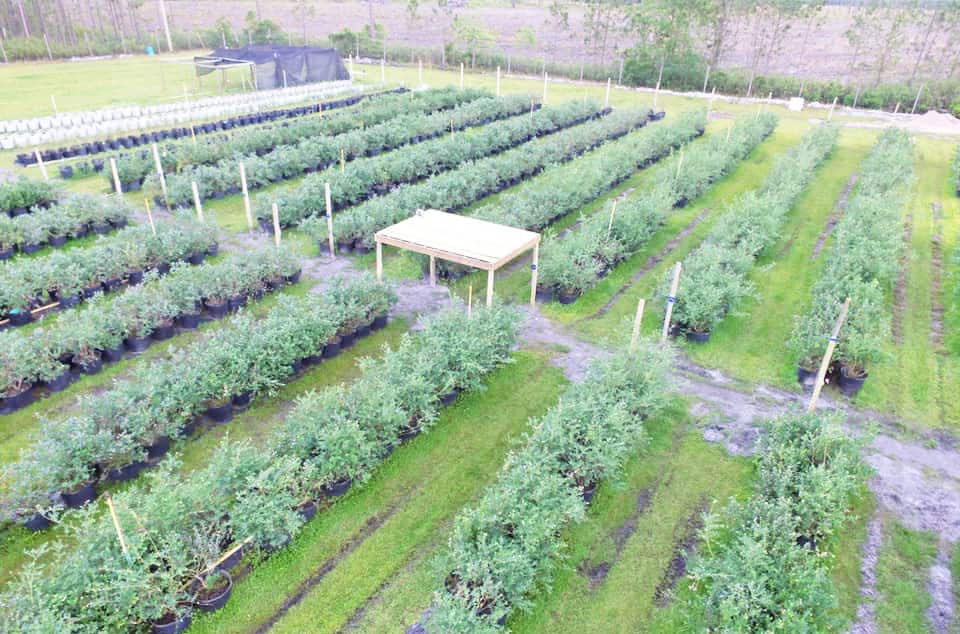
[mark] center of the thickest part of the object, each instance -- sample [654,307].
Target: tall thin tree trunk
[924,44]
[23,19]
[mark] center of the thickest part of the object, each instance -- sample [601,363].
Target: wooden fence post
[196,200]
[606,100]
[671,300]
[329,202]
[635,336]
[43,168]
[545,79]
[116,524]
[116,175]
[830,116]
[825,363]
[153,227]
[160,174]
[276,225]
[246,196]
[613,210]
[343,161]
[534,274]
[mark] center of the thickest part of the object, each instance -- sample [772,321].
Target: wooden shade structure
[469,241]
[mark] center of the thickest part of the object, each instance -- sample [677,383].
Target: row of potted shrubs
[185,531]
[48,359]
[72,216]
[114,435]
[24,194]
[956,172]
[862,264]
[322,153]
[504,549]
[68,277]
[575,263]
[134,140]
[714,279]
[764,563]
[567,136]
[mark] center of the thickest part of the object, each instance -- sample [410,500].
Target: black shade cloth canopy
[299,64]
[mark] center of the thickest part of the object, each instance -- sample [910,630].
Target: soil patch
[866,622]
[936,279]
[682,551]
[900,290]
[839,207]
[942,609]
[570,354]
[654,260]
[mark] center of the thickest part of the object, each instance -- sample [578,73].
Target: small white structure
[469,241]
[796,104]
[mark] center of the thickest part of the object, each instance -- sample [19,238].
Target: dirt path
[942,611]
[654,260]
[839,207]
[936,277]
[866,622]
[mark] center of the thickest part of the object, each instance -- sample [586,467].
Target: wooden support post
[671,299]
[470,301]
[490,274]
[461,75]
[116,176]
[656,90]
[153,227]
[246,196]
[825,363]
[433,270]
[116,524]
[613,210]
[196,200]
[635,336]
[383,71]
[379,260]
[284,74]
[276,225]
[498,81]
[834,105]
[706,79]
[329,203]
[160,174]
[545,79]
[679,165]
[343,161]
[43,168]
[896,109]
[534,273]
[917,100]
[47,44]
[54,103]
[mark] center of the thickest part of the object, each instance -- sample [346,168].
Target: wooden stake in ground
[461,75]
[43,168]
[613,210]
[545,79]
[196,200]
[343,161]
[825,363]
[679,165]
[671,300]
[160,174]
[606,100]
[470,301]
[54,102]
[153,227]
[350,61]
[116,524]
[534,273]
[706,79]
[433,270]
[498,81]
[917,100]
[329,202]
[116,176]
[276,225]
[635,336]
[383,71]
[246,196]
[834,105]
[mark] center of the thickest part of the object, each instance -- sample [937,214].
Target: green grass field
[366,563]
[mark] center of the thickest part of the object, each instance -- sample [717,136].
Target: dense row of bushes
[321,154]
[763,564]
[504,548]
[67,276]
[862,263]
[176,525]
[715,280]
[575,263]
[24,195]
[33,48]
[956,172]
[473,180]
[73,216]
[83,341]
[109,435]
[262,141]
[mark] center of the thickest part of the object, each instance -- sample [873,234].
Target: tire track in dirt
[900,289]
[936,279]
[838,209]
[653,261]
[942,610]
[683,548]
[866,621]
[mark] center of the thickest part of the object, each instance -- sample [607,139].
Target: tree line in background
[895,49]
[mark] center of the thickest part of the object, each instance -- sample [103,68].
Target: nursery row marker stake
[635,337]
[383,71]
[343,160]
[47,44]
[825,363]
[163,178]
[329,202]
[350,62]
[613,210]
[671,299]
[451,128]
[917,100]
[498,81]
[830,116]
[461,75]
[679,164]
[534,273]
[545,87]
[706,79]
[246,196]
[276,225]
[153,227]
[606,100]
[196,200]
[116,524]
[43,168]
[54,102]
[116,175]
[470,301]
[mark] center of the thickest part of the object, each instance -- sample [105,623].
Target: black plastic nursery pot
[80,496]
[241,400]
[221,413]
[544,295]
[61,382]
[102,228]
[171,623]
[112,355]
[214,599]
[237,302]
[331,350]
[112,284]
[126,472]
[379,322]
[322,245]
[308,510]
[163,332]
[588,491]
[91,367]
[348,340]
[217,310]
[158,448]
[850,385]
[197,258]
[805,376]
[568,297]
[189,321]
[16,401]
[134,277]
[58,241]
[7,253]
[213,249]
[336,489]
[69,301]
[448,398]
[38,522]
[30,247]
[364,331]
[345,246]
[698,337]
[409,432]
[20,317]
[188,429]
[293,278]
[137,344]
